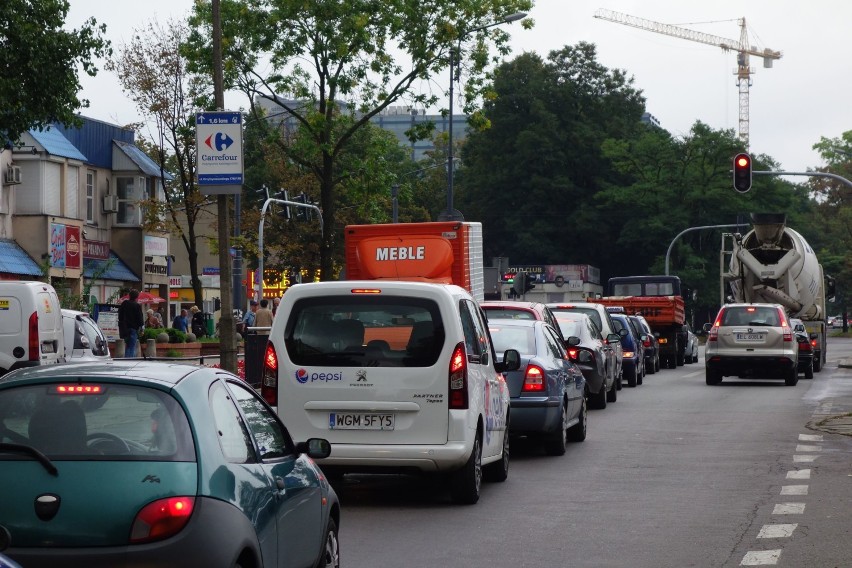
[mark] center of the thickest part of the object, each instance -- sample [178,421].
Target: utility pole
[227,328]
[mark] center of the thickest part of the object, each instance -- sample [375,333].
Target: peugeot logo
[362,376]
[750,330]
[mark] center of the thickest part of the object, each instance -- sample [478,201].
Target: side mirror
[707,327]
[613,338]
[511,361]
[316,448]
[623,332]
[573,341]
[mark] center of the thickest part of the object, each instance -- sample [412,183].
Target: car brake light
[713,335]
[458,378]
[161,519]
[646,343]
[35,352]
[533,379]
[78,389]
[813,343]
[663,341]
[628,354]
[269,384]
[572,353]
[366,291]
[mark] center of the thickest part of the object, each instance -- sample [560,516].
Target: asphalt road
[675,473]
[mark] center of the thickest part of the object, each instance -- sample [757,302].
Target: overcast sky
[804,96]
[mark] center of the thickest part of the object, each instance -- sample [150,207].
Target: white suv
[396,375]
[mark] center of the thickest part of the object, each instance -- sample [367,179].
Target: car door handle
[279,483]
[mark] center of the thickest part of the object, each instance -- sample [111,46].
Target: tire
[818,363]
[330,555]
[657,363]
[653,368]
[499,470]
[466,483]
[619,380]
[641,378]
[680,359]
[612,394]
[633,379]
[598,399]
[712,377]
[577,432]
[555,442]
[809,372]
[792,377]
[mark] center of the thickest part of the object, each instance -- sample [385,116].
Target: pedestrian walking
[263,317]
[130,321]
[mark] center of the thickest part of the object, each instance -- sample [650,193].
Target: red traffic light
[742,172]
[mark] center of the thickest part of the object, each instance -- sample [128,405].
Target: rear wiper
[24,449]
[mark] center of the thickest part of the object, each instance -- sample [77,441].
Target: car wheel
[499,470]
[331,552]
[556,441]
[817,362]
[657,363]
[632,379]
[577,432]
[641,378]
[612,394]
[467,482]
[653,368]
[792,377]
[713,377]
[618,381]
[598,400]
[809,372]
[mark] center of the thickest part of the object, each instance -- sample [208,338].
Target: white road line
[803,448]
[695,374]
[761,558]
[804,458]
[810,437]
[777,531]
[789,509]
[794,490]
[799,474]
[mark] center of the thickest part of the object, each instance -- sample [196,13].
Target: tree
[39,81]
[154,74]
[338,61]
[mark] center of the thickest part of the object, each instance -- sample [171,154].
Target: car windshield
[104,422]
[513,337]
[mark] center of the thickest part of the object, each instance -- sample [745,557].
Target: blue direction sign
[219,151]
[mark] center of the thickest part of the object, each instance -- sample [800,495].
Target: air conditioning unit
[13,175]
[110,203]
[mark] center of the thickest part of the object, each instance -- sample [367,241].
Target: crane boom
[742,48]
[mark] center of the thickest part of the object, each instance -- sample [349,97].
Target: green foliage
[150,333]
[319,53]
[173,353]
[39,81]
[176,335]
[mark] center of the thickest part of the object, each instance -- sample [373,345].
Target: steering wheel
[108,442]
[12,435]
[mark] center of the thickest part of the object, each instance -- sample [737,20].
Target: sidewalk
[836,423]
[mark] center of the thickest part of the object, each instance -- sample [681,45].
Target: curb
[845,364]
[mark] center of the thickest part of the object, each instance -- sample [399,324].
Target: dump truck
[773,263]
[445,252]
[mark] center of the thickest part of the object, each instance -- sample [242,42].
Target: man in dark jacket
[129,321]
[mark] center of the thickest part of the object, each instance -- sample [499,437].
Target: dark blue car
[633,364]
[547,393]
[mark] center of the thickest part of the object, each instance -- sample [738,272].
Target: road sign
[219,151]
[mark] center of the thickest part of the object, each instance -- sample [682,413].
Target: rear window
[124,423]
[364,331]
[570,328]
[508,313]
[591,312]
[513,337]
[751,315]
[95,339]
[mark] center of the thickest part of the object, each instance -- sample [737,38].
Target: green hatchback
[139,463]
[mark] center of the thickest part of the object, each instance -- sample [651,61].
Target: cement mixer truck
[773,263]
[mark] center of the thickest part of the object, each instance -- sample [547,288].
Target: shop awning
[111,269]
[15,260]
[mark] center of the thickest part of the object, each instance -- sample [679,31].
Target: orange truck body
[660,311]
[444,252]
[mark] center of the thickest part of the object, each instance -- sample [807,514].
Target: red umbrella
[144,298]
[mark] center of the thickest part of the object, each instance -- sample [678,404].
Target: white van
[30,325]
[396,375]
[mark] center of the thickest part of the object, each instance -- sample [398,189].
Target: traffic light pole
[258,291]
[809,174]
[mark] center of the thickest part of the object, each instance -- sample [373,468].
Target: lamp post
[451,214]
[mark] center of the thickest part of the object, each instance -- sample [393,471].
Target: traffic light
[519,283]
[302,213]
[285,210]
[528,283]
[742,172]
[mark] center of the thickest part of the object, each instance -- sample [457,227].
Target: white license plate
[749,337]
[359,421]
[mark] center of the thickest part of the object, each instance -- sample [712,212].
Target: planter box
[185,349]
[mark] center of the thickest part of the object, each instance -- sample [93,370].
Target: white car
[84,340]
[396,375]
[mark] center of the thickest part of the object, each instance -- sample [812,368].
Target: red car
[521,311]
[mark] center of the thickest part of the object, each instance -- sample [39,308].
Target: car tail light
[628,354]
[534,379]
[785,326]
[646,343]
[813,343]
[713,334]
[35,352]
[269,384]
[161,519]
[79,389]
[458,378]
[663,341]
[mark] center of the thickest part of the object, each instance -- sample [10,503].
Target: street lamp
[451,214]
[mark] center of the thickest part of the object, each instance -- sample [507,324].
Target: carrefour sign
[219,151]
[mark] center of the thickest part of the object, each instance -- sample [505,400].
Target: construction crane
[742,48]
